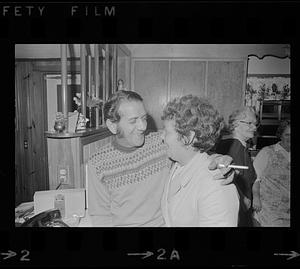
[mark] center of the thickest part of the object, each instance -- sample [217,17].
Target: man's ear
[188,140]
[112,126]
[192,137]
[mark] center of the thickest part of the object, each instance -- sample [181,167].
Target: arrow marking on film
[146,254]
[9,254]
[292,255]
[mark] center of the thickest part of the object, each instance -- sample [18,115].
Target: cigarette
[233,166]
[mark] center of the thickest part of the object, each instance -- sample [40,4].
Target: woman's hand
[246,202]
[226,174]
[256,204]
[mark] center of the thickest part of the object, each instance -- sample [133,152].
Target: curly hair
[238,115]
[281,128]
[111,106]
[192,113]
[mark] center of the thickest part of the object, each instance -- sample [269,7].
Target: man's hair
[192,113]
[238,115]
[281,128]
[111,106]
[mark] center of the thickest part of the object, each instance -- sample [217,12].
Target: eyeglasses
[249,123]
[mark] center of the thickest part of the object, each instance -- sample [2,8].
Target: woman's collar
[241,140]
[279,147]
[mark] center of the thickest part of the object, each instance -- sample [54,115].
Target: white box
[73,201]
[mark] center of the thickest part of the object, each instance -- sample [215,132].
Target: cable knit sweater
[125,186]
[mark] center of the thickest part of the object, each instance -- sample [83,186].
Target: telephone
[48,218]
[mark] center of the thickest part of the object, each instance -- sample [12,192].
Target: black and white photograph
[149,133]
[152,135]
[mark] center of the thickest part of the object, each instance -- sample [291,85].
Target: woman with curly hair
[271,190]
[191,196]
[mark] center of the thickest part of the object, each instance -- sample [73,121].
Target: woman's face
[246,126]
[286,138]
[175,148]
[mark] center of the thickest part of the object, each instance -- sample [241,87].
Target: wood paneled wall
[21,191]
[32,164]
[65,153]
[187,77]
[151,81]
[73,153]
[30,123]
[159,80]
[225,85]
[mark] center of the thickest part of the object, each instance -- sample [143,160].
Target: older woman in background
[271,190]
[242,126]
[191,196]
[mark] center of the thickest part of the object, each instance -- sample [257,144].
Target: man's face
[132,125]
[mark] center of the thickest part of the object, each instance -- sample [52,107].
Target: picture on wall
[262,87]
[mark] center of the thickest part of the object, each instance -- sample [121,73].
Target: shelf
[269,122]
[81,133]
[273,111]
[270,115]
[276,102]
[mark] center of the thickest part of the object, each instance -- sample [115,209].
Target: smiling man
[126,177]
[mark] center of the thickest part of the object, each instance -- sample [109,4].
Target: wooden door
[30,144]
[21,139]
[38,125]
